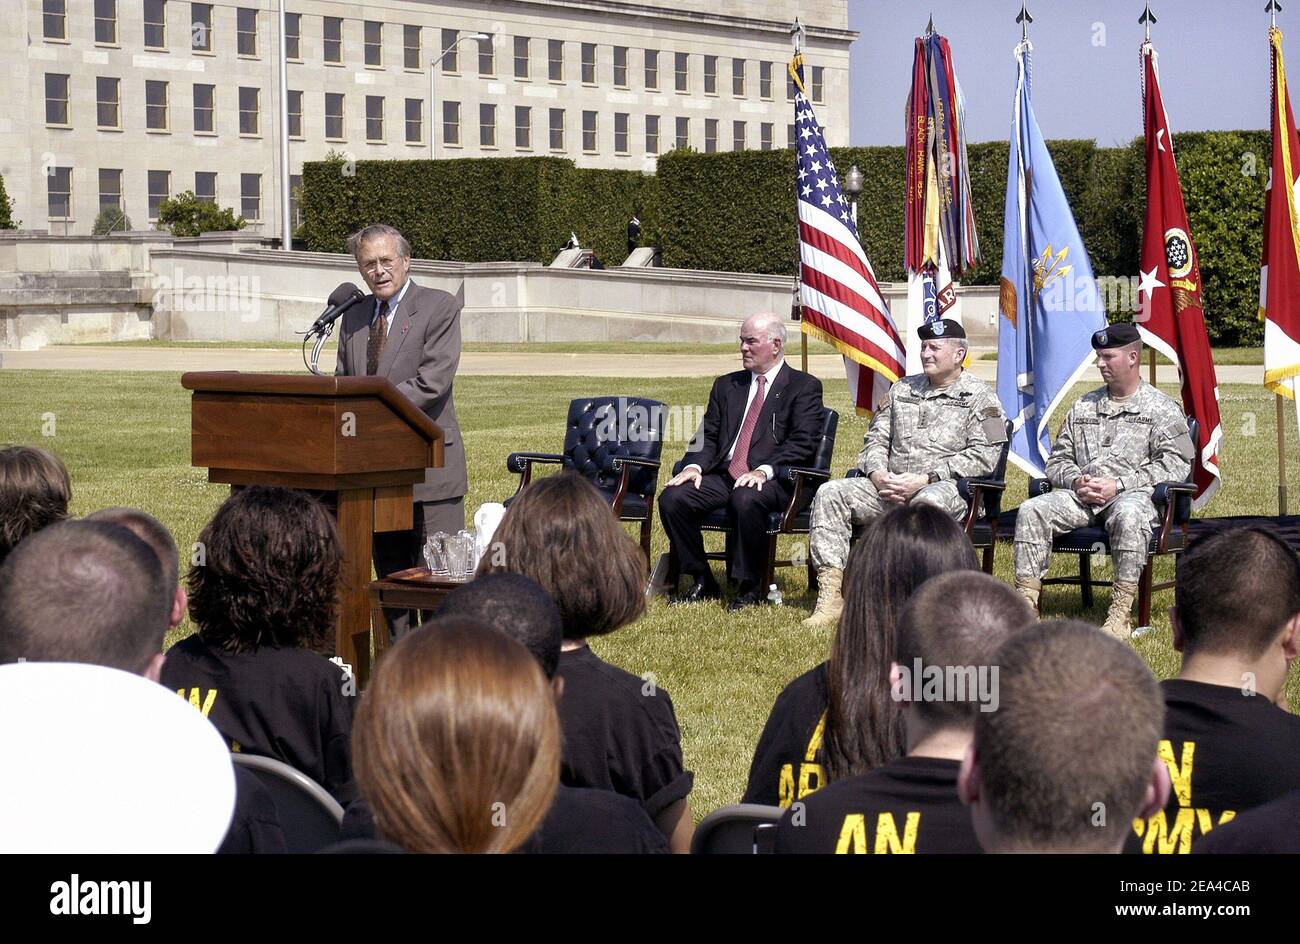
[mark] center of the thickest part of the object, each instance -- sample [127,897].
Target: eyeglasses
[374,265]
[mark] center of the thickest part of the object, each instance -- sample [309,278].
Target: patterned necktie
[740,458]
[378,338]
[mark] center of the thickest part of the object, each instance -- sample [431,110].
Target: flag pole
[1281,455]
[796,37]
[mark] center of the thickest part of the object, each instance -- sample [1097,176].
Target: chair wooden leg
[645,535]
[769,571]
[988,558]
[1144,593]
[1085,579]
[812,577]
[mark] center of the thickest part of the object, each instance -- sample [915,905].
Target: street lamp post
[433,153]
[853,187]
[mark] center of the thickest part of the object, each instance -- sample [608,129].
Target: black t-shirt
[620,733]
[789,762]
[290,704]
[1273,828]
[1226,751]
[579,822]
[255,827]
[908,805]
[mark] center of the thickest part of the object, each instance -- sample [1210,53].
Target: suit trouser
[683,507]
[399,550]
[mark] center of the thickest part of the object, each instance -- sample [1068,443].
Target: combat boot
[829,601]
[1118,622]
[1029,588]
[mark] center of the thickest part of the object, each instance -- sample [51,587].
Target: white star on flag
[1150,283]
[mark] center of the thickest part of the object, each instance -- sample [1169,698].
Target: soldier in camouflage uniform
[934,429]
[1116,443]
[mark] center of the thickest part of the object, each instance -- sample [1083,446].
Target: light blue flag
[1049,302]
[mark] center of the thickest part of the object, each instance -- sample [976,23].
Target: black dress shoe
[704,588]
[746,598]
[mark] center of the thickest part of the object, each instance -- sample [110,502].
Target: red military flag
[1172,316]
[1279,274]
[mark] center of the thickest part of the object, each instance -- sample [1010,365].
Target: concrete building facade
[124,102]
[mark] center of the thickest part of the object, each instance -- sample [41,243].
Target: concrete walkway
[520,364]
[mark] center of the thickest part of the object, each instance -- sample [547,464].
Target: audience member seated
[154,533]
[943,676]
[262,594]
[34,492]
[580,820]
[457,741]
[94,592]
[620,731]
[1272,829]
[1069,758]
[1227,743]
[838,720]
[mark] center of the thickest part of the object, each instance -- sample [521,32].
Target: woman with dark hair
[262,593]
[620,731]
[839,719]
[457,741]
[34,492]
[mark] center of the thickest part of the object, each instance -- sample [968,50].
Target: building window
[411,47]
[620,67]
[790,138]
[620,133]
[450,62]
[295,200]
[487,59]
[201,27]
[710,75]
[373,43]
[652,134]
[110,189]
[56,98]
[108,102]
[333,116]
[765,136]
[765,81]
[710,135]
[451,123]
[295,114]
[521,57]
[334,40]
[106,22]
[249,119]
[557,129]
[293,36]
[555,60]
[589,131]
[246,32]
[487,125]
[414,120]
[523,128]
[375,119]
[54,19]
[156,100]
[683,136]
[58,188]
[155,24]
[738,136]
[681,79]
[738,78]
[588,63]
[789,86]
[160,185]
[205,185]
[818,77]
[250,196]
[652,70]
[205,107]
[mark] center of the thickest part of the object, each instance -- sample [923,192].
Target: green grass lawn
[1223,356]
[125,439]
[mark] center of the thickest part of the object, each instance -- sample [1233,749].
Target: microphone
[340,300]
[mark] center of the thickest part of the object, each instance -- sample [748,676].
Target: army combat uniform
[947,433]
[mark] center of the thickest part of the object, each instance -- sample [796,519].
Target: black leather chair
[615,442]
[742,829]
[983,505]
[793,519]
[308,815]
[1173,501]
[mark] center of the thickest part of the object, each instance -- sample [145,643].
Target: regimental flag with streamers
[940,240]
[841,301]
[1172,315]
[1279,274]
[1048,301]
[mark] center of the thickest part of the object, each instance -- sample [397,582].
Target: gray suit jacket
[420,359]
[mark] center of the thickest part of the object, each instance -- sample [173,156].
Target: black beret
[940,328]
[1116,335]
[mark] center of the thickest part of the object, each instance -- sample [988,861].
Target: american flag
[841,301]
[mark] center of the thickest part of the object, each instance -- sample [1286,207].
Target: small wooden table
[414,589]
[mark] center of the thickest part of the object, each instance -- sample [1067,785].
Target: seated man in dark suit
[758,419]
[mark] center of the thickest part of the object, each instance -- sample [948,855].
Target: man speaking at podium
[411,335]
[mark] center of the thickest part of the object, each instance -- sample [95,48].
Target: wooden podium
[356,437]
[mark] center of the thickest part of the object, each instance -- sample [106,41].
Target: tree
[111,219]
[186,215]
[6,208]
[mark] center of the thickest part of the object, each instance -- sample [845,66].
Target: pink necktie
[740,458]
